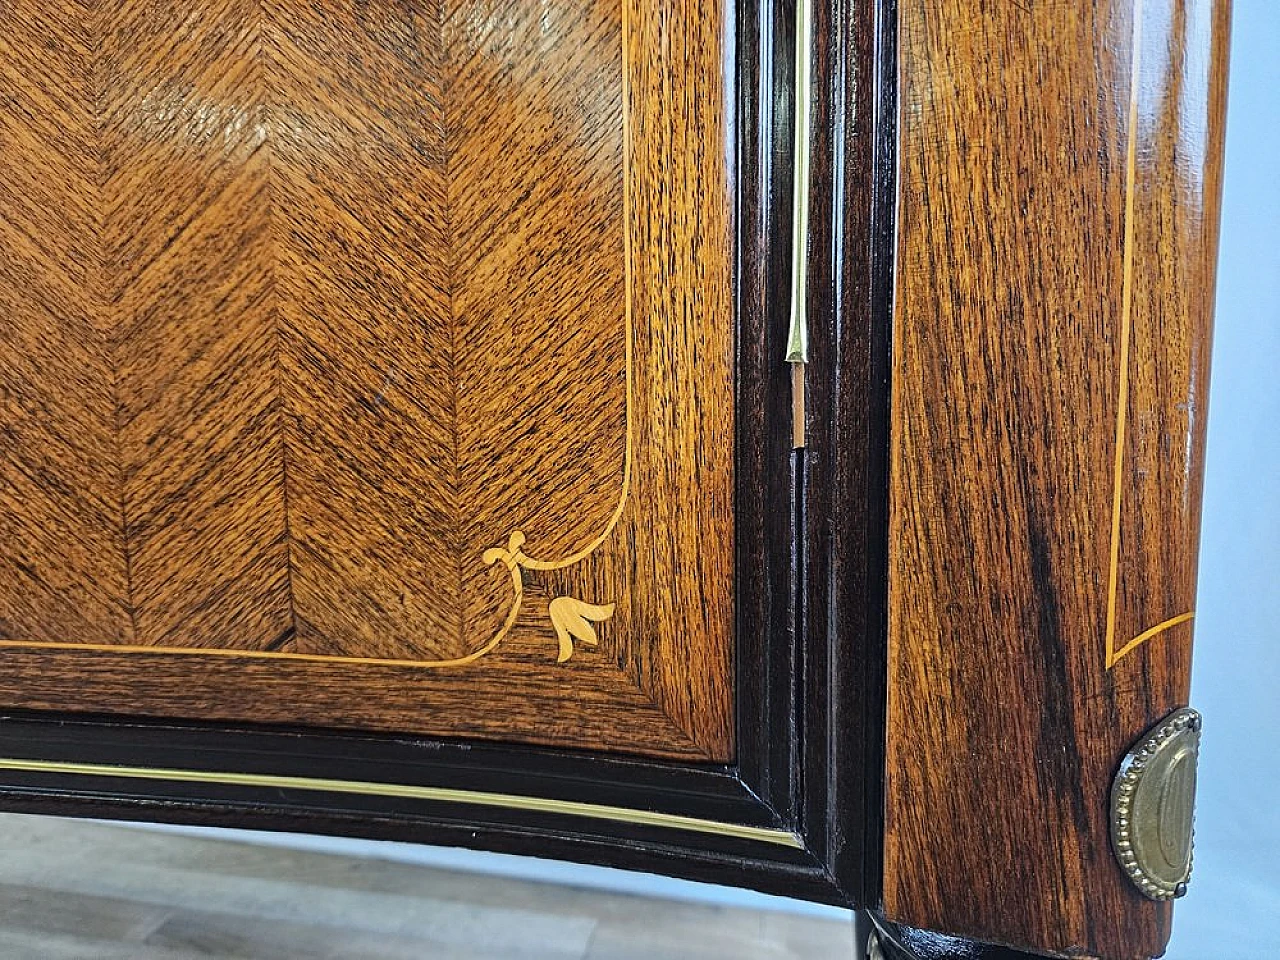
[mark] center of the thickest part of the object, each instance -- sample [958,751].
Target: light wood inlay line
[1126,337]
[1148,634]
[508,801]
[1126,319]
[570,616]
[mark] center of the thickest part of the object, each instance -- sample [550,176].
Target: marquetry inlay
[1116,647]
[374,356]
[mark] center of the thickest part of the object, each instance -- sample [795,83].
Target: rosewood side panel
[1059,181]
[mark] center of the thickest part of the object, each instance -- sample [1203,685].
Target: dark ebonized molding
[906,943]
[810,582]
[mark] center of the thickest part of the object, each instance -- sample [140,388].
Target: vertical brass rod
[798,335]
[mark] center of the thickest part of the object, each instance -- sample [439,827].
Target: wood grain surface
[1058,214]
[362,360]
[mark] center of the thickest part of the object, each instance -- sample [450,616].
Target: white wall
[1233,910]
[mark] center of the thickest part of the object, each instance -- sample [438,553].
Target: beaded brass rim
[1152,807]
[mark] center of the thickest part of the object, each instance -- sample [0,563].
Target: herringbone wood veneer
[307,308]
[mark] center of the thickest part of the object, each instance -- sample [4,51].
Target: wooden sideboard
[752,442]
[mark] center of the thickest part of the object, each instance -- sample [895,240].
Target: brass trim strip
[505,801]
[798,336]
[798,333]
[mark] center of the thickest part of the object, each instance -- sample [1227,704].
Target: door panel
[371,365]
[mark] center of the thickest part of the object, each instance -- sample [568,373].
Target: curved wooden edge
[1057,235]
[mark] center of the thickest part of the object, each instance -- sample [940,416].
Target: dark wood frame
[811,584]
[898,942]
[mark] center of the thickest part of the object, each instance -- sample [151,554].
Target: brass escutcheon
[1153,806]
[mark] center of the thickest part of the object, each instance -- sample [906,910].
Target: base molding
[881,939]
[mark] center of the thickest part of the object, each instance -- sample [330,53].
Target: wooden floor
[71,889]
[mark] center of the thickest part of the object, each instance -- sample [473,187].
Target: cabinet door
[397,429]
[371,367]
